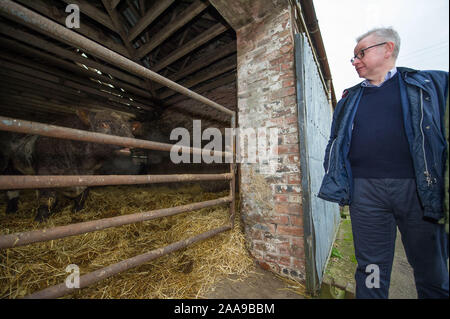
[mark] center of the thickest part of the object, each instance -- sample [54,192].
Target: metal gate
[321,218]
[27,17]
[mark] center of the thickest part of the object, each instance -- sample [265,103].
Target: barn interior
[43,79]
[187,42]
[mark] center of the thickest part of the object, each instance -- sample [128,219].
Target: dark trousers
[378,207]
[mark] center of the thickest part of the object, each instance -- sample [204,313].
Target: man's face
[374,60]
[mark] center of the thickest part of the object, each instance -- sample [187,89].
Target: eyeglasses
[360,54]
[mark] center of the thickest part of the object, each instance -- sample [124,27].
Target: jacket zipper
[329,156]
[426,173]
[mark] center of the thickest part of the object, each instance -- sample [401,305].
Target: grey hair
[384,34]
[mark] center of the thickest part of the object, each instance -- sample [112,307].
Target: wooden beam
[155,11]
[199,40]
[69,66]
[203,61]
[131,50]
[42,82]
[114,3]
[87,87]
[205,88]
[27,66]
[187,15]
[93,13]
[54,49]
[94,34]
[201,77]
[118,27]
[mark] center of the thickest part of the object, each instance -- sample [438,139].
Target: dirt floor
[261,284]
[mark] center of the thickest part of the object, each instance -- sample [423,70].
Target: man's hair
[384,34]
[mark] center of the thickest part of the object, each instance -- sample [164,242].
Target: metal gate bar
[25,238]
[9,182]
[103,273]
[28,127]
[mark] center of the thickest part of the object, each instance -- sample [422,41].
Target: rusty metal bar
[26,238]
[52,181]
[106,272]
[233,172]
[40,23]
[27,127]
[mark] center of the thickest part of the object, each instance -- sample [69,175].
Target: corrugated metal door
[321,218]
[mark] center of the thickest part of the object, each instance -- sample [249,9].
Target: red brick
[281,198]
[295,208]
[287,66]
[286,261]
[287,149]
[296,221]
[294,179]
[284,248]
[280,220]
[288,83]
[282,208]
[290,230]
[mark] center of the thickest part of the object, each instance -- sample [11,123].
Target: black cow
[40,155]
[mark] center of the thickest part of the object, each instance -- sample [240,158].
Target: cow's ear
[136,128]
[83,116]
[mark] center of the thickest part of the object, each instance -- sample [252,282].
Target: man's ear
[390,46]
[83,116]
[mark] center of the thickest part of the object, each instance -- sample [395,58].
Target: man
[386,160]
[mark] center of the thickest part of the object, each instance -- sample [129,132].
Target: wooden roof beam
[69,66]
[190,46]
[93,13]
[203,61]
[154,12]
[199,78]
[94,34]
[54,49]
[187,15]
[120,29]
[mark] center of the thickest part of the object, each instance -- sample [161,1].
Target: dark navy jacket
[423,95]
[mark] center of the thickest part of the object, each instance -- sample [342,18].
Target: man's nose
[355,62]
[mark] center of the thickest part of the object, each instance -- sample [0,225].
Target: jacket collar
[404,72]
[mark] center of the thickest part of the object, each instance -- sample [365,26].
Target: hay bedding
[187,273]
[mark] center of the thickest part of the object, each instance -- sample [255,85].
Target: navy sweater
[379,148]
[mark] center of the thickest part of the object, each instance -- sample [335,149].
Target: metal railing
[40,23]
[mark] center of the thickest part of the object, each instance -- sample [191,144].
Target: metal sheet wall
[315,114]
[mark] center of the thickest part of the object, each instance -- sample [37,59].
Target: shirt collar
[388,76]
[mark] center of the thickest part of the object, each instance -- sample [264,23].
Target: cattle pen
[30,18]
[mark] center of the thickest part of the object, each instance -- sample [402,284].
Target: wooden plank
[96,35]
[187,15]
[204,76]
[199,40]
[205,88]
[93,13]
[114,3]
[153,13]
[69,66]
[203,61]
[54,49]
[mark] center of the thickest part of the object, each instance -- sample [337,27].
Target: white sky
[423,26]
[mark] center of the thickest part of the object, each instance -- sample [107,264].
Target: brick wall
[271,201]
